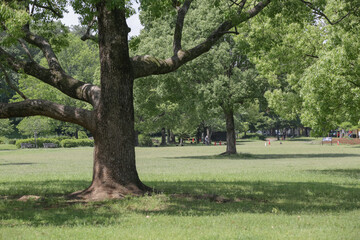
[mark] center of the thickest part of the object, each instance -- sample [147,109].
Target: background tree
[6,127]
[34,126]
[230,83]
[312,69]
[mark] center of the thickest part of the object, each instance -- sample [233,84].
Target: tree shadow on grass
[248,156]
[351,173]
[179,199]
[15,164]
[301,139]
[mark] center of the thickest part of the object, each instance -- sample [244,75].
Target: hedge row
[66,143]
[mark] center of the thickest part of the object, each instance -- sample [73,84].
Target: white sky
[133,22]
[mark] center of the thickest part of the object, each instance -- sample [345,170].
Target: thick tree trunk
[114,174]
[136,138]
[230,133]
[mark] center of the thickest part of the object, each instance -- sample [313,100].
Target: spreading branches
[55,75]
[57,111]
[11,85]
[148,65]
[44,46]
[49,7]
[180,24]
[320,13]
[58,79]
[240,4]
[87,35]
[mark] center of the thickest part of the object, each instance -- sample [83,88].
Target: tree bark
[163,137]
[209,133]
[136,138]
[172,137]
[230,132]
[168,140]
[114,174]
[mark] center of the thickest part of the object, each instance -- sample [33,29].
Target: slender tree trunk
[172,137]
[209,133]
[230,132]
[168,140]
[163,137]
[114,174]
[198,135]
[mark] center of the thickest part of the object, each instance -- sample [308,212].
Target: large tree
[314,71]
[29,24]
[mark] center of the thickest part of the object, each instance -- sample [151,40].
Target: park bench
[50,145]
[27,145]
[326,139]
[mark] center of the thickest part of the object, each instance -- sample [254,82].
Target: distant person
[207,140]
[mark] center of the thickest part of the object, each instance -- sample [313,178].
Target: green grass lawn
[296,190]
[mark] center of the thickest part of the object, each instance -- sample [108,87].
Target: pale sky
[133,22]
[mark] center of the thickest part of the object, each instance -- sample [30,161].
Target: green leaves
[32,125]
[6,127]
[12,18]
[313,66]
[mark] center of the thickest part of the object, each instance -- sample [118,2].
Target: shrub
[12,141]
[3,140]
[145,141]
[82,135]
[253,136]
[69,143]
[62,137]
[39,141]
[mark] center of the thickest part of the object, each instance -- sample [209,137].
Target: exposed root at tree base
[227,153]
[100,193]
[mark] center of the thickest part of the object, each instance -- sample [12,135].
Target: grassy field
[296,190]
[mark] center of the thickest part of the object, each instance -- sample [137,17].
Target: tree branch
[58,79]
[49,109]
[26,49]
[50,8]
[179,25]
[320,13]
[312,56]
[354,83]
[148,65]
[11,85]
[88,35]
[44,46]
